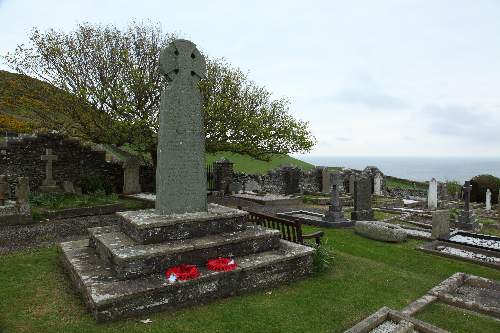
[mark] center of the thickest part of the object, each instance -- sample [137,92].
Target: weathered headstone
[326,182]
[234,187]
[49,184]
[432,195]
[68,187]
[131,176]
[181,182]
[362,199]
[377,184]
[440,224]
[223,173]
[498,202]
[352,180]
[22,196]
[488,199]
[466,218]
[4,190]
[291,179]
[334,213]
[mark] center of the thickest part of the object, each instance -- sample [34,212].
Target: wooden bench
[290,230]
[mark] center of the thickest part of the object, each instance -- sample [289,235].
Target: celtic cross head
[182,59]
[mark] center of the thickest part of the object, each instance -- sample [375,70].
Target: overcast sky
[383,78]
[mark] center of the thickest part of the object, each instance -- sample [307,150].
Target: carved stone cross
[181,182]
[50,158]
[467,189]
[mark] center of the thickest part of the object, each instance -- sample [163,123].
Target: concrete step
[110,298]
[147,227]
[130,259]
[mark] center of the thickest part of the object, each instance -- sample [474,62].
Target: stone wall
[22,158]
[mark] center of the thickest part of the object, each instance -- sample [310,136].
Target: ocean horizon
[415,168]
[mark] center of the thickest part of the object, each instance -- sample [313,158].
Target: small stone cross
[50,158]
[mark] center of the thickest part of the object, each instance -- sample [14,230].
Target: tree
[109,88]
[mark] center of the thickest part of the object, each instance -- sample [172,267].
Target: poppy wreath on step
[182,272]
[221,264]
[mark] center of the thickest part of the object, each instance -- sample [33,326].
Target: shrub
[323,258]
[93,183]
[453,187]
[480,184]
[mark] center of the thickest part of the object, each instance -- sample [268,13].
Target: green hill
[248,164]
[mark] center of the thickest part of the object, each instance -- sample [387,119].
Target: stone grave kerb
[181,184]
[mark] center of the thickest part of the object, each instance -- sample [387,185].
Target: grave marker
[362,199]
[334,213]
[131,176]
[440,224]
[181,182]
[22,196]
[488,199]
[432,195]
[49,184]
[377,184]
[4,190]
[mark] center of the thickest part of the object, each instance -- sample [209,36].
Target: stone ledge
[147,227]
[109,298]
[130,259]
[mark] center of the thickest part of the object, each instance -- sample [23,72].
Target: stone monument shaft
[181,183]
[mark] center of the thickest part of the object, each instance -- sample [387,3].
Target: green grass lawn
[366,275]
[246,164]
[393,182]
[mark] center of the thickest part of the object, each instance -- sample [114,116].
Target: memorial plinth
[120,277]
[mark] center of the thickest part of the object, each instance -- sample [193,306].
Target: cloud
[343,139]
[466,122]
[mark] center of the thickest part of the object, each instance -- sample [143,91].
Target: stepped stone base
[130,259]
[147,227]
[108,297]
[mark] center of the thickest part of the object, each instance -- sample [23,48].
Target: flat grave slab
[270,199]
[486,242]
[315,219]
[147,227]
[463,252]
[386,320]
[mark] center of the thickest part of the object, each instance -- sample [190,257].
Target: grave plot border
[430,247]
[385,314]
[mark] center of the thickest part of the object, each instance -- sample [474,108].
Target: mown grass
[393,182]
[247,164]
[366,275]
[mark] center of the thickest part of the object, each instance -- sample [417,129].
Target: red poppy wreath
[221,264]
[182,272]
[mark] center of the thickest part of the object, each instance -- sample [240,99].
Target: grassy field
[37,296]
[247,164]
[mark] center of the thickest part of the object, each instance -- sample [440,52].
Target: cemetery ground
[365,275]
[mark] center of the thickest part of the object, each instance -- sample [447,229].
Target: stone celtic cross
[50,158]
[466,190]
[181,183]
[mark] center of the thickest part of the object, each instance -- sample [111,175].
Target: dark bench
[290,230]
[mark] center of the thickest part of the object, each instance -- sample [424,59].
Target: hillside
[248,164]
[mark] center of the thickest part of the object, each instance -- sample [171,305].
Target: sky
[372,78]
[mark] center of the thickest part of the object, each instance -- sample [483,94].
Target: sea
[416,168]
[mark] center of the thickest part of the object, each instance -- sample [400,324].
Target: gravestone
[440,224]
[22,196]
[334,213]
[432,195]
[352,180]
[498,203]
[291,179]
[68,187]
[488,200]
[234,187]
[377,184]
[49,184]
[4,190]
[362,199]
[131,176]
[466,219]
[223,173]
[181,181]
[326,182]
